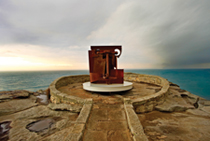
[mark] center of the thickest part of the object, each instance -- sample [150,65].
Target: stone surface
[139,90]
[24,112]
[203,102]
[173,84]
[184,116]
[61,135]
[59,97]
[178,100]
[198,112]
[77,132]
[134,124]
[175,104]
[175,126]
[68,107]
[68,89]
[63,121]
[148,107]
[17,105]
[84,113]
[4,130]
[107,122]
[8,95]
[92,135]
[109,116]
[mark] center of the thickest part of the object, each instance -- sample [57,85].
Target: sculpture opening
[104,75]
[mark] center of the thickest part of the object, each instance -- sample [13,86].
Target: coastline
[192,80]
[21,110]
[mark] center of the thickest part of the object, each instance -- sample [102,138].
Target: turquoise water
[32,80]
[196,81]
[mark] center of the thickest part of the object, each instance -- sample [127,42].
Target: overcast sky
[56,35]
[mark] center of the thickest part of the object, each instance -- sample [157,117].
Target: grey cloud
[187,40]
[53,23]
[179,33]
[164,33]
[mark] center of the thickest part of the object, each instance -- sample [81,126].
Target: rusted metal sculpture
[103,65]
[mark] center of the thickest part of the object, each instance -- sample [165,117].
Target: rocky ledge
[28,115]
[181,117]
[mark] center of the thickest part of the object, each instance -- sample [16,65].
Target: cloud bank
[153,34]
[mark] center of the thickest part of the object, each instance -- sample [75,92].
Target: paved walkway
[107,122]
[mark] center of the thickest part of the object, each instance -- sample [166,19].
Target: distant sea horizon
[196,81]
[119,68]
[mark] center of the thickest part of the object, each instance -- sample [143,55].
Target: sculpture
[103,65]
[104,75]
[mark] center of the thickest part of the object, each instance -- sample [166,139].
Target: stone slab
[76,108]
[92,135]
[118,115]
[134,124]
[111,125]
[16,106]
[84,114]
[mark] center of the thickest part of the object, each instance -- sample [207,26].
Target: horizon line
[88,69]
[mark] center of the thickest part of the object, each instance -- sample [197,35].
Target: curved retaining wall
[58,97]
[141,104]
[148,103]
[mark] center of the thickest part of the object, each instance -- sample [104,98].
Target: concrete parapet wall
[147,103]
[133,122]
[65,80]
[152,79]
[58,97]
[141,104]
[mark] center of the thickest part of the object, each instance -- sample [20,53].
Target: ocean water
[32,80]
[196,81]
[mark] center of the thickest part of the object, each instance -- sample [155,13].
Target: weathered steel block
[103,65]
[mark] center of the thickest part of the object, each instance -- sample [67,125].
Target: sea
[196,81]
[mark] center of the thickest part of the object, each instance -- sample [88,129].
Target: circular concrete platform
[146,93]
[107,88]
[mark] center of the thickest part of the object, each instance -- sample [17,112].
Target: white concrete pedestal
[107,87]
